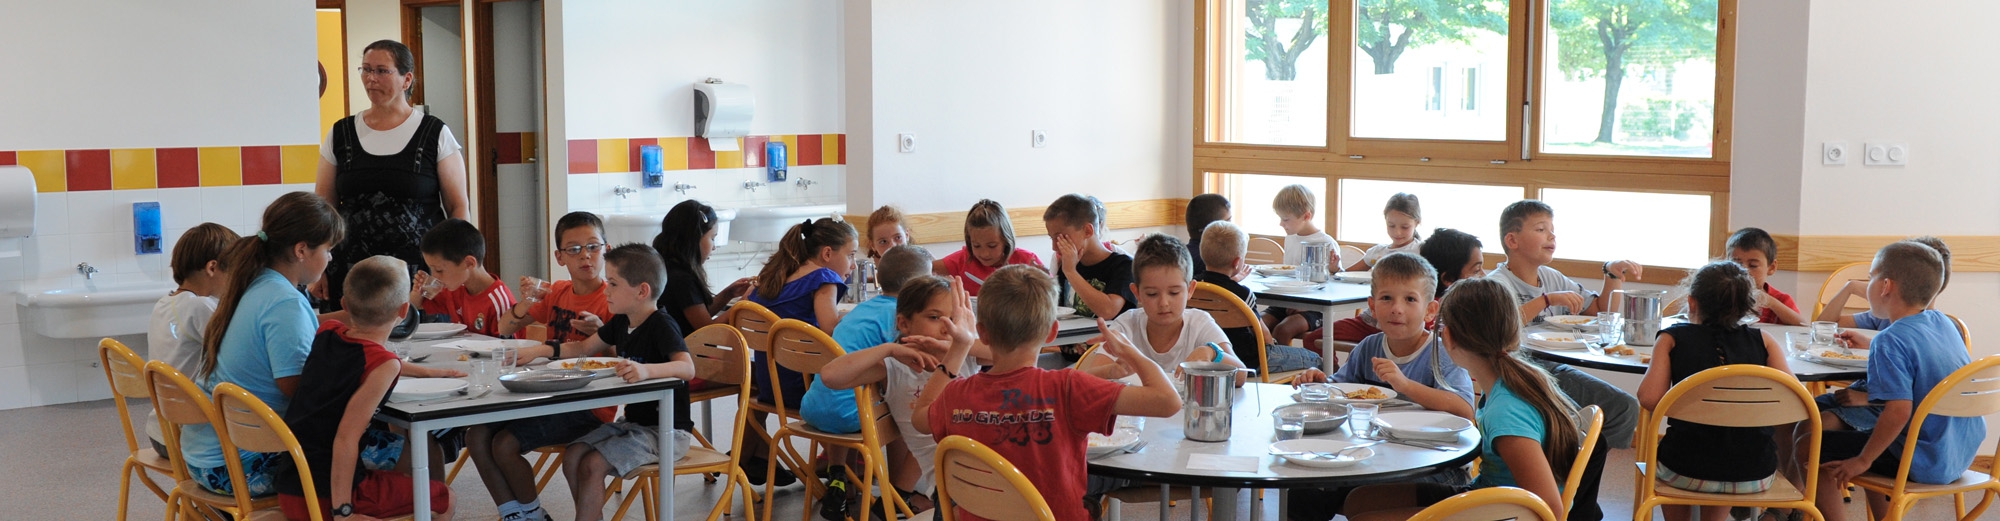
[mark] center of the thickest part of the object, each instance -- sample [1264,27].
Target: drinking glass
[1797,342]
[1291,426]
[1823,332]
[482,373]
[508,359]
[535,290]
[1316,392]
[1361,418]
[432,287]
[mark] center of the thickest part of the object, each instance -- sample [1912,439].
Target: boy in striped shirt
[469,295]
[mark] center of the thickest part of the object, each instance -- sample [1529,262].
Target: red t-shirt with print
[1771,317]
[480,313]
[1040,420]
[963,266]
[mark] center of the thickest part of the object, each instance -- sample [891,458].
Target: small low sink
[621,228]
[92,312]
[769,223]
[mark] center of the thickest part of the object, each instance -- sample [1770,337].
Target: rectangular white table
[422,418]
[1330,299]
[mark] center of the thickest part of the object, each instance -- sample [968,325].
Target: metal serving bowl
[551,380]
[1320,417]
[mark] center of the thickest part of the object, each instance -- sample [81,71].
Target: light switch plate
[1038,139]
[906,143]
[1833,153]
[1885,154]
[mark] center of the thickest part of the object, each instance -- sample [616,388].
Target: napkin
[1222,463]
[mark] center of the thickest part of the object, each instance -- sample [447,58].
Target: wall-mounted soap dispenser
[146,236]
[652,166]
[774,159]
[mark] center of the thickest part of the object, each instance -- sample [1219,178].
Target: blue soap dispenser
[146,236]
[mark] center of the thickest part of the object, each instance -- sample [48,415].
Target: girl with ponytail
[1527,426]
[801,281]
[263,326]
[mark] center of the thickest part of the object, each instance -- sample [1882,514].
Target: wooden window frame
[1456,161]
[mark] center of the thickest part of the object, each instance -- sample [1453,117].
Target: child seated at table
[1835,310]
[1757,253]
[649,343]
[1294,205]
[1402,215]
[1851,406]
[1203,210]
[800,281]
[347,375]
[1528,431]
[573,309]
[1089,275]
[989,244]
[1223,245]
[175,333]
[1706,458]
[1907,360]
[1058,409]
[453,250]
[885,231]
[1165,329]
[1455,255]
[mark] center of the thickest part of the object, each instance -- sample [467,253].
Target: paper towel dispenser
[722,113]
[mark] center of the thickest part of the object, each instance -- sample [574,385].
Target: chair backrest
[1837,280]
[1350,254]
[973,477]
[1739,395]
[1964,333]
[250,424]
[1489,504]
[1228,312]
[178,401]
[800,347]
[1970,392]
[1263,250]
[754,322]
[1592,420]
[722,355]
[1090,356]
[127,373]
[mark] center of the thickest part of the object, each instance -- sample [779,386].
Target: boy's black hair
[1944,254]
[573,220]
[1754,239]
[454,240]
[1447,251]
[1073,210]
[1159,250]
[1204,209]
[638,264]
[1516,215]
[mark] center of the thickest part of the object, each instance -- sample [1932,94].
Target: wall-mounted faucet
[622,191]
[87,270]
[805,183]
[752,185]
[683,188]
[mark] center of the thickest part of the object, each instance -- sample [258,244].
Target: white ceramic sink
[769,223]
[621,228]
[92,312]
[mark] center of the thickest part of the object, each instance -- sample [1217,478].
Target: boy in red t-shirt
[469,295]
[1757,253]
[1038,419]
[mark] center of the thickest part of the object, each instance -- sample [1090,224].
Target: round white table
[1637,363]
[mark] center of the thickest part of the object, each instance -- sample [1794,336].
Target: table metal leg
[1166,501]
[420,470]
[663,487]
[1195,504]
[708,420]
[1225,503]
[1329,359]
[1284,503]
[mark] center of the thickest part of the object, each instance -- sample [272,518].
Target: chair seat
[702,395]
[152,460]
[926,515]
[194,491]
[1285,377]
[1781,490]
[1393,514]
[1970,480]
[804,430]
[697,458]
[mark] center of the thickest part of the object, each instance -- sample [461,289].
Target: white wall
[236,73]
[517,101]
[443,62]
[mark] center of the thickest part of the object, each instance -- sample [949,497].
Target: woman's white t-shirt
[390,142]
[175,336]
[1197,329]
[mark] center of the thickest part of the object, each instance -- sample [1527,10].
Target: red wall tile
[262,166]
[633,161]
[753,150]
[843,149]
[179,167]
[508,146]
[88,169]
[583,156]
[809,150]
[699,155]
[7,158]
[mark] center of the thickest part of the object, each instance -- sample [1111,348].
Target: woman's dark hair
[406,61]
[800,245]
[1722,294]
[1448,250]
[295,218]
[679,241]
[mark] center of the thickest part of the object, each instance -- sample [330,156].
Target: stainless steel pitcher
[1208,399]
[1319,256]
[861,282]
[1641,308]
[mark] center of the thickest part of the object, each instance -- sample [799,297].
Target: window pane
[1402,52]
[1655,63]
[1473,209]
[1250,198]
[1275,88]
[1650,228]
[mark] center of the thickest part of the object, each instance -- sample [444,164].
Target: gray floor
[63,461]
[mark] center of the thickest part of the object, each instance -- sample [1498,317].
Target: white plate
[1560,340]
[1573,321]
[437,330]
[1341,390]
[571,363]
[1355,276]
[1276,270]
[487,347]
[1065,311]
[1117,441]
[419,389]
[1293,286]
[1828,356]
[1428,425]
[1321,445]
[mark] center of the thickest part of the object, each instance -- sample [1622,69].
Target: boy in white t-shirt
[175,333]
[1294,205]
[1163,328]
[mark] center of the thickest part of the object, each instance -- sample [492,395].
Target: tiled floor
[62,463]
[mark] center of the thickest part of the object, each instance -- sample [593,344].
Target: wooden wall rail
[944,227]
[1825,253]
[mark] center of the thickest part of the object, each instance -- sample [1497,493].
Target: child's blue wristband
[1218,352]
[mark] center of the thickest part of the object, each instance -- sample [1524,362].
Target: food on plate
[464,357]
[1621,349]
[1571,321]
[1646,359]
[1842,356]
[589,365]
[1370,393]
[1558,339]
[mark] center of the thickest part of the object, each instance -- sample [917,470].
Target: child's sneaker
[833,507]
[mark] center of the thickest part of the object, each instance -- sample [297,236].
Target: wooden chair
[1835,281]
[754,322]
[1489,504]
[802,347]
[973,477]
[249,424]
[1964,333]
[127,373]
[180,402]
[1263,250]
[1349,255]
[1230,312]
[1970,392]
[721,356]
[1592,420]
[1729,396]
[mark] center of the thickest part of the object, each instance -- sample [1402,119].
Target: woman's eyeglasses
[382,71]
[576,251]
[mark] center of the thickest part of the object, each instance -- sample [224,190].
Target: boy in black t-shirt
[346,377]
[1095,279]
[646,337]
[1222,247]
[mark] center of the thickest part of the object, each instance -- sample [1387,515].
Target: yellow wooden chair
[721,356]
[973,477]
[1489,504]
[1592,420]
[1729,396]
[180,402]
[1964,333]
[249,424]
[1349,255]
[1970,392]
[802,347]
[754,322]
[1263,250]
[127,372]
[1835,281]
[1230,311]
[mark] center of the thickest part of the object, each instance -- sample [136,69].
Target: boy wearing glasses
[571,308]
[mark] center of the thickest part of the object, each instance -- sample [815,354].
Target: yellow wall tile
[725,159]
[674,153]
[221,166]
[300,163]
[134,168]
[614,155]
[529,144]
[50,173]
[791,142]
[829,149]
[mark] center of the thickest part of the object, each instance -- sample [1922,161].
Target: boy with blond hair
[1295,207]
[1055,410]
[1223,245]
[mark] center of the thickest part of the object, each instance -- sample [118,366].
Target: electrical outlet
[906,143]
[1885,154]
[1038,139]
[1833,153]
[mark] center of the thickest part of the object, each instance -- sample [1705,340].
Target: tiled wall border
[590,156]
[145,168]
[515,148]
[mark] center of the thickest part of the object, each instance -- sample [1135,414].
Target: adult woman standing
[391,172]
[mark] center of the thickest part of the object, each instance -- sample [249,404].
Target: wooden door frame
[487,169]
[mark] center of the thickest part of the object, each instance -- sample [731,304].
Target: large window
[1629,78]
[1473,209]
[1274,62]
[1250,197]
[1600,224]
[1406,48]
